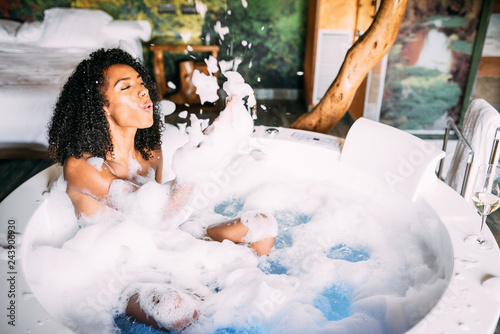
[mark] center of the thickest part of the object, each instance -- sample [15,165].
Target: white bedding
[24,64]
[36,58]
[25,112]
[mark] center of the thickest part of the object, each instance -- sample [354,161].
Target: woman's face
[129,102]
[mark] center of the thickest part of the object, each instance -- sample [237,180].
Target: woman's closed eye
[127,86]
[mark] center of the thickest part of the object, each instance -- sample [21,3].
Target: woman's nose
[143,92]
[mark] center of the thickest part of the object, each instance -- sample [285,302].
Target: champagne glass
[486,199]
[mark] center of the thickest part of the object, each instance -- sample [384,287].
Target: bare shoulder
[88,176]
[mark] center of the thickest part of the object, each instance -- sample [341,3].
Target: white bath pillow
[405,163]
[72,27]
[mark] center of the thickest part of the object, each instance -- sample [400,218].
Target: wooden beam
[368,50]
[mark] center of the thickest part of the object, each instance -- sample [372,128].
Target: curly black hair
[79,124]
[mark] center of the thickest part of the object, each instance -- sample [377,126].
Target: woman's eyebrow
[124,79]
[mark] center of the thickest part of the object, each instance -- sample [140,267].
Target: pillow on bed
[8,29]
[72,27]
[126,30]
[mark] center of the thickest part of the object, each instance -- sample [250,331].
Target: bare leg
[137,311]
[235,231]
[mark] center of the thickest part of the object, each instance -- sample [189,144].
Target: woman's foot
[254,228]
[264,246]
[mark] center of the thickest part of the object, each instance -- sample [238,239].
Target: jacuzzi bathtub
[470,303]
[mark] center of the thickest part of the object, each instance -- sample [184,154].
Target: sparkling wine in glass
[486,199]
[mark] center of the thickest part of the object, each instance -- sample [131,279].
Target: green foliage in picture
[429,64]
[267,36]
[418,97]
[462,47]
[29,10]
[445,21]
[167,27]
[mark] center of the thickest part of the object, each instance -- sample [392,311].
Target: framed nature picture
[429,68]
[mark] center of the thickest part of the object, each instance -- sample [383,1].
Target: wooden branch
[368,50]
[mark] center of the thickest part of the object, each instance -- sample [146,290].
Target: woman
[108,110]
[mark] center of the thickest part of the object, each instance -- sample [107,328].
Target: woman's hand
[229,108]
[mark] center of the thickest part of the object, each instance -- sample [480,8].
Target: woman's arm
[87,186]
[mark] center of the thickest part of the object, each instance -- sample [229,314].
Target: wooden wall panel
[337,14]
[310,52]
[355,15]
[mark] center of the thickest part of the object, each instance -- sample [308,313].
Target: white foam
[216,145]
[166,107]
[221,30]
[206,86]
[225,65]
[396,285]
[170,84]
[83,275]
[237,62]
[235,85]
[212,66]
[260,226]
[96,162]
[134,167]
[201,8]
[186,36]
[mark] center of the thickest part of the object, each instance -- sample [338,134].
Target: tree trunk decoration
[368,50]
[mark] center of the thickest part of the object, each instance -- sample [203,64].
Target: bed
[37,57]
